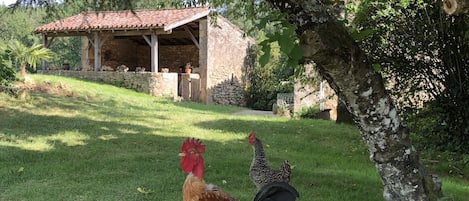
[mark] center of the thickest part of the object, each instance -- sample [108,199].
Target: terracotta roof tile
[125,20]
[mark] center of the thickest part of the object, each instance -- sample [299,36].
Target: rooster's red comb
[194,144]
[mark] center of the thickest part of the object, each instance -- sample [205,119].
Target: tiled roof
[125,20]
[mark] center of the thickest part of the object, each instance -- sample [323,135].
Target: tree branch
[456,7]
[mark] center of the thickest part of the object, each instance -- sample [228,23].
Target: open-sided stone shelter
[153,46]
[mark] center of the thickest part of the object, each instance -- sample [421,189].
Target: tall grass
[77,140]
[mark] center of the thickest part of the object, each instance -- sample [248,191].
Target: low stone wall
[155,84]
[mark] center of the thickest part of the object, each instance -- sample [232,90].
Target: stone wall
[228,58]
[122,51]
[127,51]
[173,57]
[155,84]
[317,94]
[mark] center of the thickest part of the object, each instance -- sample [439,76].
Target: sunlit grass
[90,141]
[43,143]
[453,188]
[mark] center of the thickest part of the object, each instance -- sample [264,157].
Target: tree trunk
[341,62]
[456,7]
[343,115]
[23,70]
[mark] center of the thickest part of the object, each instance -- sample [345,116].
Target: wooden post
[154,52]
[204,62]
[44,44]
[97,52]
[85,45]
[194,40]
[185,86]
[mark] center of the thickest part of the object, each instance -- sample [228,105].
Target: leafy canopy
[28,55]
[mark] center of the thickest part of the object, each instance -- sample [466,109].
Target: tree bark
[456,7]
[23,70]
[341,62]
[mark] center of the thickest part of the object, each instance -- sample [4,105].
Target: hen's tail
[278,191]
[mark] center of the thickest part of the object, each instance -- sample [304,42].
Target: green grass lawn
[90,141]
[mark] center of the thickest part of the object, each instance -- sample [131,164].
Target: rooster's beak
[182,154]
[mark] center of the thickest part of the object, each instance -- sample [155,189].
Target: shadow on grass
[20,122]
[55,157]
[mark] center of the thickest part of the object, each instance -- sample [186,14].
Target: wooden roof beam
[194,40]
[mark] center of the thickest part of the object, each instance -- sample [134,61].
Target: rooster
[271,183]
[194,188]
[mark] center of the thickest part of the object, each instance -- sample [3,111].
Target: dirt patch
[24,88]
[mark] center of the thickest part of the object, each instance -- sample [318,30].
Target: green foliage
[158,4]
[55,9]
[19,25]
[7,74]
[444,122]
[420,51]
[268,80]
[362,34]
[308,112]
[426,126]
[260,94]
[438,127]
[18,30]
[67,50]
[283,33]
[23,55]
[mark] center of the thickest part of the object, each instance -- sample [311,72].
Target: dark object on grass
[278,191]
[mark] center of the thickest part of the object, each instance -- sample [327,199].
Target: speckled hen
[260,172]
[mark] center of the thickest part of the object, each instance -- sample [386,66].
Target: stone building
[318,93]
[160,43]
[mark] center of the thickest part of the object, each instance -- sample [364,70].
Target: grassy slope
[87,141]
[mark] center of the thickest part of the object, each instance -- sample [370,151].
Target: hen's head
[191,157]
[252,138]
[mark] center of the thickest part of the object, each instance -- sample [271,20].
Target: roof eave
[187,20]
[126,31]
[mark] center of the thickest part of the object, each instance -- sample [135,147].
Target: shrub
[308,112]
[265,82]
[7,74]
[441,127]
